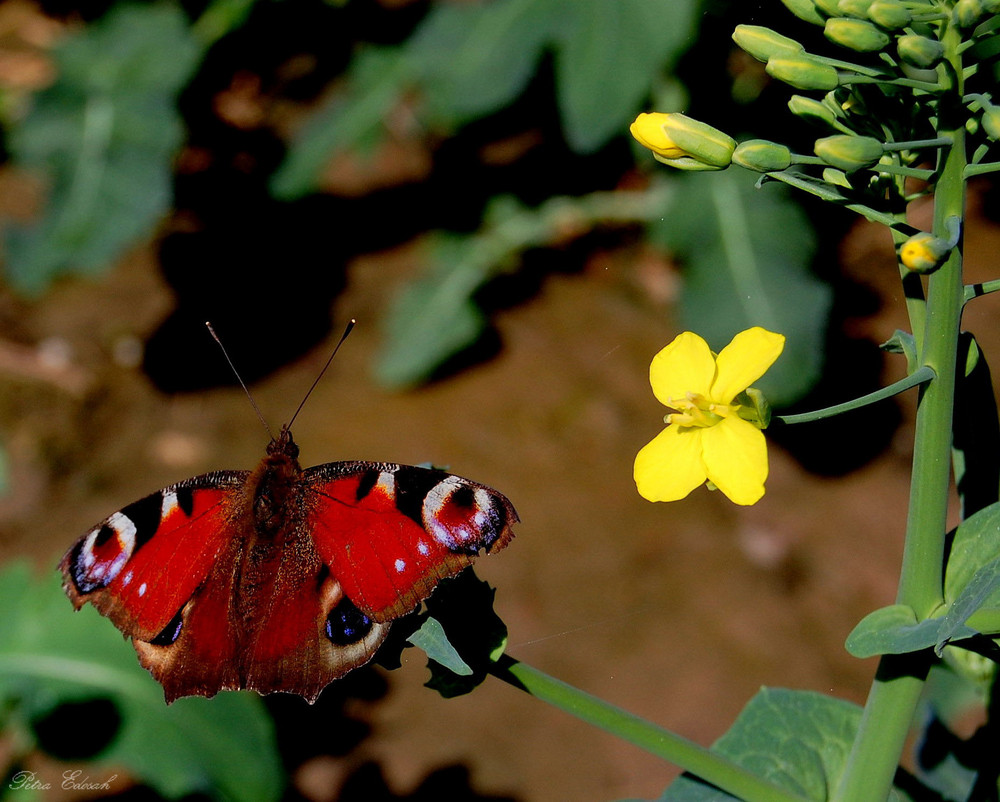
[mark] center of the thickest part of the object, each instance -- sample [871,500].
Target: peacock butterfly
[279,579]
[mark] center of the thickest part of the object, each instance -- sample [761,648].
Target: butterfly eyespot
[171,632]
[346,624]
[462,517]
[100,556]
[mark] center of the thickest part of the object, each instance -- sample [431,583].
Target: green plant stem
[910,83]
[984,288]
[921,375]
[981,169]
[704,763]
[896,690]
[825,192]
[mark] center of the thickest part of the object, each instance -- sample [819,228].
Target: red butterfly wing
[141,565]
[389,533]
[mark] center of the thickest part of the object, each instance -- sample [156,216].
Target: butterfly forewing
[390,533]
[143,563]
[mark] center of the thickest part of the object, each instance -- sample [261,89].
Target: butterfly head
[283,444]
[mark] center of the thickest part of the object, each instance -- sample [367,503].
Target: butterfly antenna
[240,379]
[340,342]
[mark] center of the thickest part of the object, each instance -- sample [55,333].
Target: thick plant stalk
[896,689]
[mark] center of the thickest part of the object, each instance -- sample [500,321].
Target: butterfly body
[279,579]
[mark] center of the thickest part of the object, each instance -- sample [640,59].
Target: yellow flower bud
[804,10]
[762,156]
[699,140]
[923,252]
[648,132]
[803,72]
[890,14]
[849,153]
[855,34]
[919,51]
[763,43]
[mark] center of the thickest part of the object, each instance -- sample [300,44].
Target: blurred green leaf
[434,316]
[50,655]
[608,57]
[472,58]
[468,60]
[808,764]
[352,118]
[104,136]
[747,254]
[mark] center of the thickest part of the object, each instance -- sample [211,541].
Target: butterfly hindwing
[389,533]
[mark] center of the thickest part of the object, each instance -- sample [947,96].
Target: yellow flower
[648,132]
[706,438]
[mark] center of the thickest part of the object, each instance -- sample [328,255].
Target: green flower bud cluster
[890,109]
[785,59]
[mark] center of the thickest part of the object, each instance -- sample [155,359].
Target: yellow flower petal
[744,361]
[685,366]
[735,455]
[648,132]
[670,466]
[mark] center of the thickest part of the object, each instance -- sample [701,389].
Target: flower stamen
[698,411]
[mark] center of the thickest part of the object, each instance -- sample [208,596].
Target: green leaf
[432,639]
[468,60]
[50,655]
[474,58]
[608,56]
[972,562]
[747,255]
[463,607]
[434,317]
[104,135]
[798,740]
[891,630]
[902,342]
[971,599]
[895,630]
[377,78]
[976,427]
